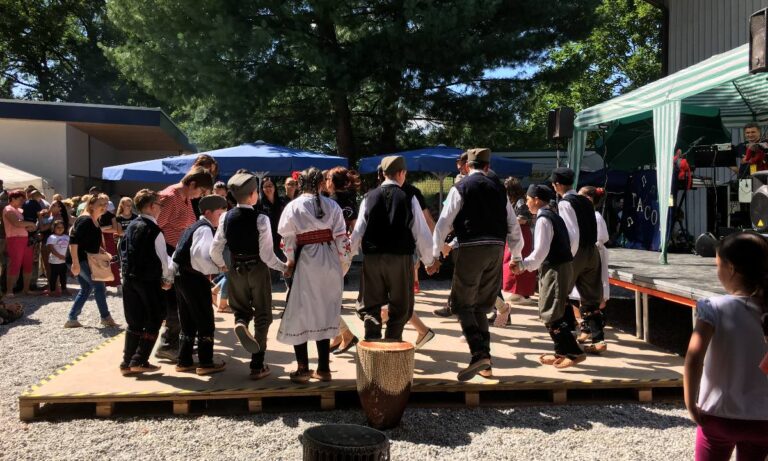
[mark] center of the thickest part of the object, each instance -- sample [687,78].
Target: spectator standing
[272,205]
[291,187]
[57,244]
[111,229]
[19,252]
[87,238]
[125,214]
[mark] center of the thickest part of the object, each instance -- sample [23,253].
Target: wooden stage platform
[683,281]
[630,366]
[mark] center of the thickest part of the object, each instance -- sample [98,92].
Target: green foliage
[623,52]
[306,72]
[50,50]
[348,76]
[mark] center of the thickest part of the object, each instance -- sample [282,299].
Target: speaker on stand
[560,126]
[758,23]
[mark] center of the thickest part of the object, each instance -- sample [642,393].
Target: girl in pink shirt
[726,366]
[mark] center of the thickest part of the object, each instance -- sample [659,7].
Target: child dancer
[192,257]
[146,270]
[552,257]
[248,235]
[725,382]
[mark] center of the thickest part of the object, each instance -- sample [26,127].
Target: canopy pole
[441,177]
[666,123]
[261,175]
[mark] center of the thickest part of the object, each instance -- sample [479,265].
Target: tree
[50,50]
[622,52]
[338,75]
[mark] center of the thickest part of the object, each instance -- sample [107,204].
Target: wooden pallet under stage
[630,365]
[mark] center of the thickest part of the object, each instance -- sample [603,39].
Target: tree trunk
[344,140]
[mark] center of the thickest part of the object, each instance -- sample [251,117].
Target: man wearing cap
[479,212]
[193,261]
[578,213]
[552,257]
[391,228]
[248,235]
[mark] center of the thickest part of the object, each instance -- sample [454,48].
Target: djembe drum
[384,377]
[344,442]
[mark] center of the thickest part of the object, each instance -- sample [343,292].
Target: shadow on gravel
[451,428]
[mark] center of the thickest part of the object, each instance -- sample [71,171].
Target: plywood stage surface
[629,363]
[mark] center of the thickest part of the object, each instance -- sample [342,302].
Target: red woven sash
[318,236]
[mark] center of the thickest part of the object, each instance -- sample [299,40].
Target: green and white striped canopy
[722,81]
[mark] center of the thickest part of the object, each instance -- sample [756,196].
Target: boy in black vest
[248,235]
[390,228]
[578,213]
[480,214]
[193,261]
[552,257]
[146,270]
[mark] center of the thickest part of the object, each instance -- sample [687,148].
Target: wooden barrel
[344,442]
[384,378]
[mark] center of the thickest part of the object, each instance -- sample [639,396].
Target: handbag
[100,265]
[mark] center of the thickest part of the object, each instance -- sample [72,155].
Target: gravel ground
[35,346]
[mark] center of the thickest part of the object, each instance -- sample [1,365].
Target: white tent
[14,178]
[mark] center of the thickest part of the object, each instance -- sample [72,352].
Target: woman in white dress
[317,248]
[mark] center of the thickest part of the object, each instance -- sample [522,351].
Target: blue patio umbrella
[258,157]
[145,171]
[441,161]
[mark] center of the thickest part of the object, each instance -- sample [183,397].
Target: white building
[69,144]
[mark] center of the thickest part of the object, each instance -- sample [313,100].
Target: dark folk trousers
[587,278]
[144,312]
[195,316]
[475,286]
[387,279]
[554,283]
[250,297]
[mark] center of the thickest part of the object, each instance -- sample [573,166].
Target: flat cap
[540,191]
[392,164]
[562,175]
[212,202]
[242,183]
[479,154]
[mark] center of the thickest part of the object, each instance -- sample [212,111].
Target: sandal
[323,376]
[549,359]
[259,374]
[503,316]
[597,348]
[300,376]
[569,361]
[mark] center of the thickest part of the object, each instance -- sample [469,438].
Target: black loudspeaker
[706,245]
[560,123]
[757,34]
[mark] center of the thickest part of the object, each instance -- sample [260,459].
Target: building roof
[123,127]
